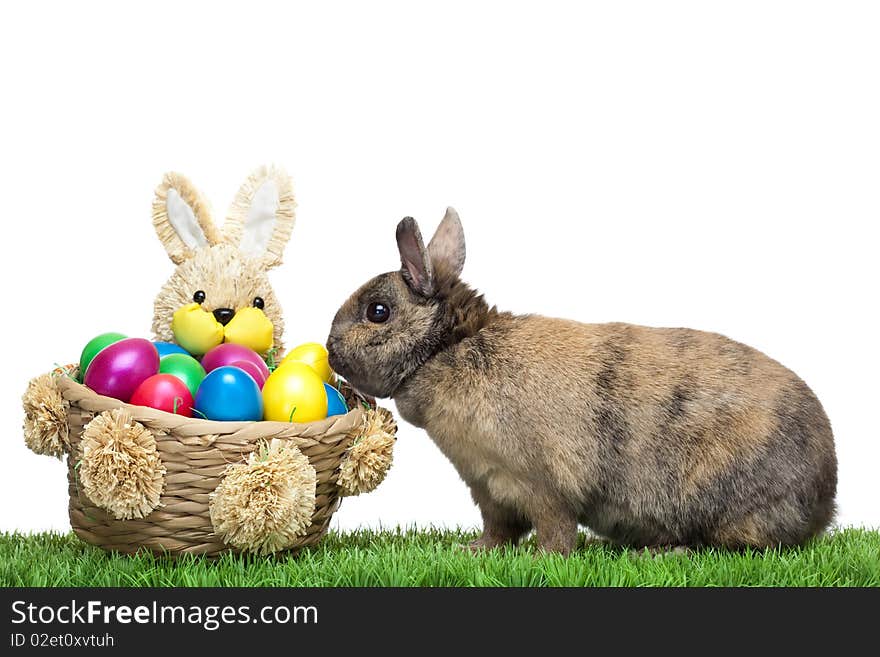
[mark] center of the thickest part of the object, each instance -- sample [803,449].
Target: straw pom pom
[264,505]
[121,471]
[45,417]
[368,459]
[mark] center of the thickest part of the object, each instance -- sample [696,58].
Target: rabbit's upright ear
[182,218]
[415,262]
[447,246]
[261,217]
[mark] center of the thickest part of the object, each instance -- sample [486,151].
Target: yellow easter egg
[294,393]
[252,329]
[315,356]
[195,329]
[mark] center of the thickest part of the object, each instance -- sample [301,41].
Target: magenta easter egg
[118,369]
[228,353]
[251,369]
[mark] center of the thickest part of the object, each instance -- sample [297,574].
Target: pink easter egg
[118,369]
[227,353]
[251,369]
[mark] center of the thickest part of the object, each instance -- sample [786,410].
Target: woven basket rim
[73,391]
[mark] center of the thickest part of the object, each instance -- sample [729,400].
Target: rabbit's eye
[378,312]
[199,296]
[259,303]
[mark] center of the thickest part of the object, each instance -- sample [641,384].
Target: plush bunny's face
[223,284]
[220,291]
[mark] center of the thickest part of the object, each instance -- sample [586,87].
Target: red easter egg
[164,392]
[251,369]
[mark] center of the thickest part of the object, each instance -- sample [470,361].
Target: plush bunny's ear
[261,217]
[182,218]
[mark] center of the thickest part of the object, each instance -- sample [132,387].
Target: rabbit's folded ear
[447,246]
[261,216]
[182,218]
[415,262]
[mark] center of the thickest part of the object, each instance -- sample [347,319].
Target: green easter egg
[184,367]
[93,347]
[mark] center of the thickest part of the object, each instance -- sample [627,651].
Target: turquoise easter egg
[335,401]
[166,348]
[229,394]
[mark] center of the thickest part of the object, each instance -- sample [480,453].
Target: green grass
[849,557]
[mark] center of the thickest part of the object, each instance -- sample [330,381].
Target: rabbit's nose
[224,315]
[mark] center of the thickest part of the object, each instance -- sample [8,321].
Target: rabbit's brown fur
[649,436]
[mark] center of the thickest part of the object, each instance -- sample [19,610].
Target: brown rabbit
[648,436]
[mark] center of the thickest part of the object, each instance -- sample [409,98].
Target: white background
[712,165]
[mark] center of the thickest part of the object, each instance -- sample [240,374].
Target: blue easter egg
[165,348]
[335,401]
[229,394]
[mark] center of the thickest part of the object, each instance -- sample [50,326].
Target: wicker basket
[193,456]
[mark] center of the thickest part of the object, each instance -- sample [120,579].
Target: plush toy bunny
[649,436]
[220,291]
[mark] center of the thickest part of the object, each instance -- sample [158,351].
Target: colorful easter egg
[251,369]
[315,356]
[335,401]
[227,354]
[166,348]
[229,394]
[93,347]
[294,393]
[165,393]
[118,369]
[184,367]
